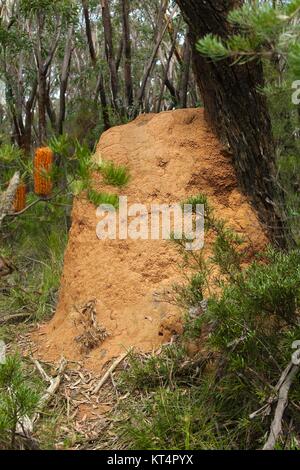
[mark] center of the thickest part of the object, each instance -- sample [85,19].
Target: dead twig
[12,318]
[110,371]
[276,426]
[280,395]
[25,427]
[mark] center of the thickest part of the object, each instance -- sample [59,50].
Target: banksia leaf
[43,162]
[20,198]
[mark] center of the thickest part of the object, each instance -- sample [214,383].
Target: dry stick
[42,372]
[12,318]
[266,409]
[110,371]
[25,427]
[276,426]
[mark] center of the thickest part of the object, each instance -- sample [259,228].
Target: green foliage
[151,372]
[252,323]
[213,47]
[18,399]
[35,245]
[193,293]
[11,160]
[31,7]
[98,198]
[265,30]
[114,175]
[170,420]
[269,32]
[61,145]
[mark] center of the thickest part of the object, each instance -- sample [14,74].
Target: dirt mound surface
[108,295]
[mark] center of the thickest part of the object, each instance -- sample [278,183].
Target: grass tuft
[114,175]
[103,198]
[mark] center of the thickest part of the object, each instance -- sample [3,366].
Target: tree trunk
[162,28]
[100,88]
[29,110]
[185,76]
[64,81]
[127,53]
[42,106]
[238,113]
[43,62]
[165,77]
[109,50]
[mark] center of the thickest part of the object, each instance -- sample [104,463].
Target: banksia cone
[20,198]
[43,162]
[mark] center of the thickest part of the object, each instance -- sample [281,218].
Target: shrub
[18,399]
[248,328]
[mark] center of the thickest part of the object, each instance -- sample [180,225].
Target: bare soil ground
[170,156]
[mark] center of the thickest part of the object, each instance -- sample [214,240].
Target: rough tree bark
[165,76]
[127,53]
[43,63]
[64,80]
[161,30]
[185,76]
[238,113]
[100,89]
[109,50]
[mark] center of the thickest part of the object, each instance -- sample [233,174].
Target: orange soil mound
[170,156]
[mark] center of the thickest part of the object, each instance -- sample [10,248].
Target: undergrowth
[34,244]
[248,325]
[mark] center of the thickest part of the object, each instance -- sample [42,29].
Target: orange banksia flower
[20,198]
[43,162]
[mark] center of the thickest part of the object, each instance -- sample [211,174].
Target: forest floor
[115,286]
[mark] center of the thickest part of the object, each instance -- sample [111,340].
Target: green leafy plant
[248,327]
[98,198]
[18,399]
[114,175]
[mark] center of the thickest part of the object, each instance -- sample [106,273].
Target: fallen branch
[110,371]
[276,426]
[280,395]
[25,427]
[267,408]
[8,196]
[12,318]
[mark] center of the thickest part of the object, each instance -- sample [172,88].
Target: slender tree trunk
[119,54]
[165,78]
[127,53]
[109,50]
[43,64]
[238,112]
[100,88]
[29,107]
[161,32]
[42,106]
[64,80]
[185,76]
